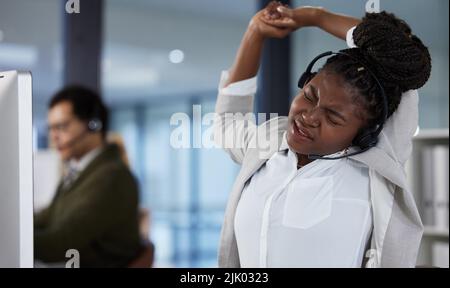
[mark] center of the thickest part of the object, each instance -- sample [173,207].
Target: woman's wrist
[254,33]
[310,16]
[319,16]
[335,24]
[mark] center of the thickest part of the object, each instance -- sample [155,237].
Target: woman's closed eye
[308,97]
[332,121]
[334,117]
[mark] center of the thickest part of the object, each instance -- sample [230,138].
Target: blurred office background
[160,57]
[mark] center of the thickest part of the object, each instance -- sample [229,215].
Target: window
[161,58]
[31,40]
[185,189]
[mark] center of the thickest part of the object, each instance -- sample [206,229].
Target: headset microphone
[317,157]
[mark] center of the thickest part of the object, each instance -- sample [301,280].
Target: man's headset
[94,125]
[367,138]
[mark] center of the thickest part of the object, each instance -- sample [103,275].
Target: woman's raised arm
[247,60]
[335,24]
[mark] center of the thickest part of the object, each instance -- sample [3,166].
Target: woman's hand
[265,29]
[283,17]
[267,23]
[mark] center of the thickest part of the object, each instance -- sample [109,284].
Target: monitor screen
[16,170]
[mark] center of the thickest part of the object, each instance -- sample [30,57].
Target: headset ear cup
[365,140]
[95,125]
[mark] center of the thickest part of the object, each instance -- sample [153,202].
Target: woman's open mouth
[300,133]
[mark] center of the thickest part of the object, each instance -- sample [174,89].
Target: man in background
[95,209]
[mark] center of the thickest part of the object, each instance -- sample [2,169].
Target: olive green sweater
[97,215]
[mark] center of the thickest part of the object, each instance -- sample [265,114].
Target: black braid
[386,46]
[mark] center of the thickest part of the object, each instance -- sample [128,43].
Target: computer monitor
[16,170]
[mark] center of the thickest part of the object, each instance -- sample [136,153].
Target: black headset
[95,125]
[367,138]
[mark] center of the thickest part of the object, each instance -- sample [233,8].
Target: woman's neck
[303,160]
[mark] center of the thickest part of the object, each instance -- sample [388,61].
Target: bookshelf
[437,233]
[416,166]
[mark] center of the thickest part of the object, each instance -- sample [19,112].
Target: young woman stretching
[333,192]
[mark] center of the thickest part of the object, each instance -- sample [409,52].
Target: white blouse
[317,216]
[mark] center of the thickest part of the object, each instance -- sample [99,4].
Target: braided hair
[398,59]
